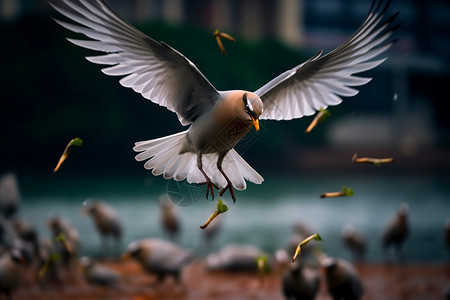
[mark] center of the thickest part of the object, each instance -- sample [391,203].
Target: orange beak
[256,123]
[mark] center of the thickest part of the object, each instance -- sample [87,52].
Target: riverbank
[381,281]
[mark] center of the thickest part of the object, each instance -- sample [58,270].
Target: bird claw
[230,187]
[209,187]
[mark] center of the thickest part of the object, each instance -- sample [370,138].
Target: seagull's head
[253,107]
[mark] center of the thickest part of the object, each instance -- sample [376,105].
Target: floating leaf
[370,160]
[318,238]
[315,237]
[320,117]
[344,192]
[74,142]
[221,208]
[347,191]
[323,114]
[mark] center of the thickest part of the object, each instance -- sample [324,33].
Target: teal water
[263,215]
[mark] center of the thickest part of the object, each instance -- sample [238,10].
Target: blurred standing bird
[159,257]
[354,241]
[27,232]
[10,271]
[98,274]
[10,238]
[169,217]
[342,280]
[396,231]
[66,239]
[7,233]
[218,120]
[50,255]
[9,194]
[235,258]
[106,221]
[301,281]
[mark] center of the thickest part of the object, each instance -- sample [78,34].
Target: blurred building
[318,23]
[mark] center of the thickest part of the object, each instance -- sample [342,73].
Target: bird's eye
[248,105]
[244,98]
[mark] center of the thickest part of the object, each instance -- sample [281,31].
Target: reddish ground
[381,281]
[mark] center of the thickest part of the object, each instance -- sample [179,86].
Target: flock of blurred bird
[52,258]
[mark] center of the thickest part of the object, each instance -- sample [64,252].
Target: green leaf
[317,237]
[347,191]
[76,142]
[263,264]
[221,207]
[60,238]
[54,257]
[325,114]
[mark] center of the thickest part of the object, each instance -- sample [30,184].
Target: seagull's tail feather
[164,158]
[238,169]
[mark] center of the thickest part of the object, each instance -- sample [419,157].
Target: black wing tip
[396,26]
[393,17]
[389,22]
[375,6]
[378,7]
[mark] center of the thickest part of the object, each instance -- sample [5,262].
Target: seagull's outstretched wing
[153,69]
[321,80]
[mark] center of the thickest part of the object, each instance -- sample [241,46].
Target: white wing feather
[323,80]
[155,70]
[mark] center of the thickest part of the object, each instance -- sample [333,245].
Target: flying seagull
[217,120]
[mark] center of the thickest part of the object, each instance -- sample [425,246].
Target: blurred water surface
[263,215]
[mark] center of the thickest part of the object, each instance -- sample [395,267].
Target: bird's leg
[229,184]
[398,252]
[103,246]
[208,182]
[118,244]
